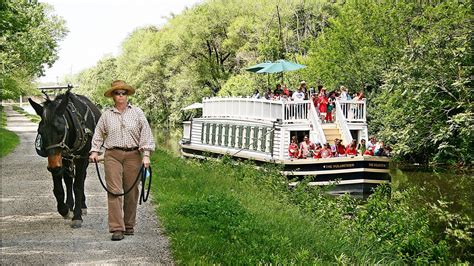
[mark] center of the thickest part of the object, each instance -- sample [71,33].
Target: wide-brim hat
[119,85]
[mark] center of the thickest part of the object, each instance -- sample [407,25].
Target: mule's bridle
[61,144]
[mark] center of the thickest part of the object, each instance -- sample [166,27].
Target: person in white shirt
[299,95]
[124,132]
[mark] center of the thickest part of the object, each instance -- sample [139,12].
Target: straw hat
[119,85]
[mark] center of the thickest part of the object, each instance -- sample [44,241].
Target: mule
[64,136]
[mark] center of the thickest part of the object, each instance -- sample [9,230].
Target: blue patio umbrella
[280,66]
[258,67]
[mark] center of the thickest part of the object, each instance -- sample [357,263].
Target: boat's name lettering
[334,166]
[377,165]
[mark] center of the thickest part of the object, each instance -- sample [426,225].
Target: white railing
[354,111]
[342,124]
[316,124]
[256,109]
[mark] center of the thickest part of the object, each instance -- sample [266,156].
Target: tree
[29,39]
[425,107]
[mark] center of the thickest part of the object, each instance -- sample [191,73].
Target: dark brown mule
[64,136]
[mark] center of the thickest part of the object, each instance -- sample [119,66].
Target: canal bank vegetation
[220,212]
[8,139]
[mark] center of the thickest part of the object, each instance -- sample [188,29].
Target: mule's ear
[38,108]
[62,106]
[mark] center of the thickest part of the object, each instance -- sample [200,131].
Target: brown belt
[124,149]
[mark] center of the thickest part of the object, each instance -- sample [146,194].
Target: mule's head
[53,129]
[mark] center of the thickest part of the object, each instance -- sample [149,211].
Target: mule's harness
[82,132]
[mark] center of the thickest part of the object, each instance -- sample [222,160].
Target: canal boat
[261,130]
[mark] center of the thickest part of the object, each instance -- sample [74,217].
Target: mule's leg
[81,167]
[83,202]
[68,181]
[58,191]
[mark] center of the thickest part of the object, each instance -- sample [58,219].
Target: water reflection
[445,185]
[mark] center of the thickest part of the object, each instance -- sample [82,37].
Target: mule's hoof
[76,223]
[84,211]
[67,215]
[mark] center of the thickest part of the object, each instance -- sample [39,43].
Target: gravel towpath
[32,232]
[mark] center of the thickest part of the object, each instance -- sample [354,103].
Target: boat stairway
[331,132]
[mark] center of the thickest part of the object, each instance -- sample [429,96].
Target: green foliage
[29,39]
[8,139]
[426,105]
[224,212]
[33,118]
[241,85]
[95,81]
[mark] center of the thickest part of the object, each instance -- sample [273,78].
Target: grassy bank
[219,212]
[8,139]
[33,118]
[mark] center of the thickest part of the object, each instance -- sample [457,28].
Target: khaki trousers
[121,170]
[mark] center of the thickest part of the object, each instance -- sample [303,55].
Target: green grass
[8,139]
[223,213]
[33,118]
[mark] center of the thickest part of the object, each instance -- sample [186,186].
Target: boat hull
[356,175]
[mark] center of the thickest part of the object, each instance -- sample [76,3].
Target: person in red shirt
[323,104]
[317,151]
[369,151]
[351,149]
[293,150]
[340,150]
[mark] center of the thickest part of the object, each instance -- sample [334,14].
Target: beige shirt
[125,130]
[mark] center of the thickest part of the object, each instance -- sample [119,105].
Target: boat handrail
[256,109]
[342,124]
[316,124]
[354,111]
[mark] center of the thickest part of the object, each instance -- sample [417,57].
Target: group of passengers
[324,102]
[307,149]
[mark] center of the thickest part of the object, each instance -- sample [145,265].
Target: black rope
[143,174]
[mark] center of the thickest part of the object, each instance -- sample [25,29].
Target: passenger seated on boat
[256,94]
[372,141]
[369,151]
[317,151]
[351,149]
[326,151]
[306,148]
[338,149]
[293,150]
[361,147]
[380,149]
[268,94]
[277,92]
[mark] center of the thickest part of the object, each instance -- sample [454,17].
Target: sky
[98,27]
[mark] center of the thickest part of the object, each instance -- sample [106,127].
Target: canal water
[455,187]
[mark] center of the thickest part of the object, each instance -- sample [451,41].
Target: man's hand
[94,157]
[146,161]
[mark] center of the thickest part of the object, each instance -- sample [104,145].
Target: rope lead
[143,174]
